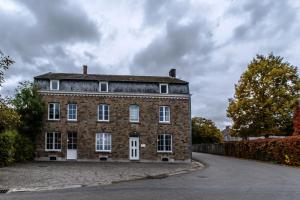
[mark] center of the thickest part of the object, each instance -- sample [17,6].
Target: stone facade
[119,125]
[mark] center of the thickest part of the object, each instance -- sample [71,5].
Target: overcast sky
[209,42]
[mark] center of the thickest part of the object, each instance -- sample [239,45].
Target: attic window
[163,88]
[103,86]
[54,84]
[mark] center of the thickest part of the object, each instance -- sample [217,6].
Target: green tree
[9,118]
[265,98]
[5,62]
[29,105]
[205,131]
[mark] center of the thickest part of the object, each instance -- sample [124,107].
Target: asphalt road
[223,178]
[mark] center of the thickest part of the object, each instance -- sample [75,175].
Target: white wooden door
[72,146]
[134,150]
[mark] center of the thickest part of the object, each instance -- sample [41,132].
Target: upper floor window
[164,114]
[103,86]
[134,113]
[163,88]
[72,112]
[103,112]
[103,142]
[54,84]
[53,111]
[53,141]
[164,143]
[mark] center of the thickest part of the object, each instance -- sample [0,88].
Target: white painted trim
[108,151]
[57,85]
[137,147]
[138,115]
[103,120]
[56,150]
[171,144]
[164,116]
[105,82]
[161,84]
[54,119]
[68,112]
[117,94]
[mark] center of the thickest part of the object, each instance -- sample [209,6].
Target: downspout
[190,122]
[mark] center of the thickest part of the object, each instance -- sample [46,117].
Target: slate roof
[114,78]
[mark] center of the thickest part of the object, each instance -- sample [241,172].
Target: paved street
[50,175]
[223,178]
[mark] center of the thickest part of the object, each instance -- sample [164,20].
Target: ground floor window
[53,141]
[103,142]
[164,143]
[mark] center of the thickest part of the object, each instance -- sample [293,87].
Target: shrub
[24,148]
[14,147]
[283,151]
[7,149]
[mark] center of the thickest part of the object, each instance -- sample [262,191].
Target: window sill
[53,120]
[72,121]
[53,150]
[102,151]
[165,152]
[135,122]
[164,122]
[102,121]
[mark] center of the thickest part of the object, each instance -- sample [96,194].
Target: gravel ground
[56,175]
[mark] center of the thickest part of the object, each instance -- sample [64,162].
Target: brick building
[114,117]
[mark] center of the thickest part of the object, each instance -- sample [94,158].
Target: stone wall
[119,126]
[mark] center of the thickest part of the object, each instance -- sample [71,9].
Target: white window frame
[68,113]
[167,88]
[164,145]
[98,108]
[54,103]
[103,142]
[51,81]
[103,82]
[53,144]
[130,113]
[164,114]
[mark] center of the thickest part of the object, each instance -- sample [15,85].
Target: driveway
[223,178]
[57,175]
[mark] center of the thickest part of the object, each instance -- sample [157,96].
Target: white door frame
[134,148]
[72,152]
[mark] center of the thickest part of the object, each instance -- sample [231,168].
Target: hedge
[14,147]
[283,150]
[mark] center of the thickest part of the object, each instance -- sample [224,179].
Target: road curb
[196,166]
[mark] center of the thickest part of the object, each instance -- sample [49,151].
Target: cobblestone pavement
[55,175]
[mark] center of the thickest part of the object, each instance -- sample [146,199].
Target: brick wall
[119,126]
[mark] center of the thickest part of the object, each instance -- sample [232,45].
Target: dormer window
[163,88]
[103,86]
[54,84]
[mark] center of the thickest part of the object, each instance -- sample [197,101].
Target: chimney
[172,73]
[84,67]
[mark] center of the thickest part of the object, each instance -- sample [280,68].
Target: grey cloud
[38,43]
[180,45]
[56,22]
[264,19]
[158,12]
